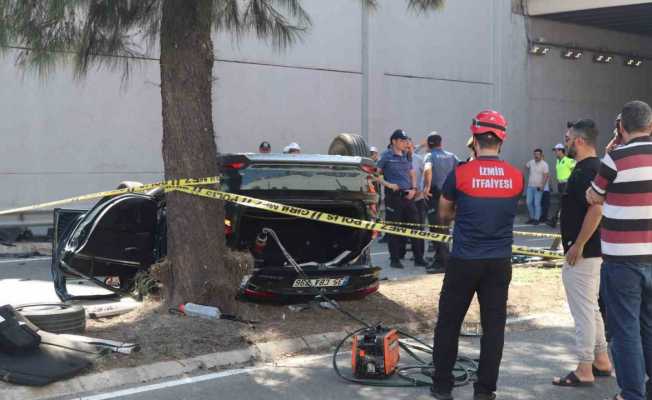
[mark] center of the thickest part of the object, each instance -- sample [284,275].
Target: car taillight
[235,165]
[228,229]
[368,290]
[368,169]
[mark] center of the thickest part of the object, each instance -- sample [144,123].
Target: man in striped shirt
[624,186]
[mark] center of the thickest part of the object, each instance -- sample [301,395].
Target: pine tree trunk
[195,225]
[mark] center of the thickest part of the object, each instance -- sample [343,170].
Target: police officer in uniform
[481,195]
[564,168]
[400,189]
[438,164]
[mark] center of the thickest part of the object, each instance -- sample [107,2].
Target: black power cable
[464,371]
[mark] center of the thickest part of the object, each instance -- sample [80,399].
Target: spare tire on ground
[349,144]
[56,317]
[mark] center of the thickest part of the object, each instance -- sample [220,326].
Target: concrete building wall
[421,80]
[354,71]
[61,138]
[560,90]
[306,94]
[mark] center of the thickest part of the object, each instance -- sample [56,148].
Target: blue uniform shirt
[485,191]
[441,162]
[396,169]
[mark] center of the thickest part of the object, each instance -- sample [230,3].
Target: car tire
[129,184]
[349,144]
[55,317]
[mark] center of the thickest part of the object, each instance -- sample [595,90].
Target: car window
[284,177]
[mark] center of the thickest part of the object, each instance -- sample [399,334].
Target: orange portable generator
[375,353]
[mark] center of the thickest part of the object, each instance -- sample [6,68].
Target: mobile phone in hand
[618,139]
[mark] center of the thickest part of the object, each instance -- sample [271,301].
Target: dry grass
[165,336]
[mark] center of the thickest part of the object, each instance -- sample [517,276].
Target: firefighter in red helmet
[481,195]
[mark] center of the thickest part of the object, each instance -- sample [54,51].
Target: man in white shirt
[419,201]
[538,178]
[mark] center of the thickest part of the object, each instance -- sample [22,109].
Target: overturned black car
[294,257]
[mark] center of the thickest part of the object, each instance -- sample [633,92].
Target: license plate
[319,282]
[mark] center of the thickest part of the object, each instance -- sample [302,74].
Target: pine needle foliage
[118,33]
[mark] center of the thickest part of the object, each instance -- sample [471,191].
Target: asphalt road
[28,280]
[380,254]
[530,361]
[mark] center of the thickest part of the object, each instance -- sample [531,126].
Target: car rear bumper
[279,284]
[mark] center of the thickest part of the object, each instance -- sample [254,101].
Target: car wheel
[122,185]
[349,144]
[55,318]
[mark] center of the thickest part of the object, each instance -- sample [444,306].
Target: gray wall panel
[455,43]
[281,105]
[62,137]
[421,105]
[333,41]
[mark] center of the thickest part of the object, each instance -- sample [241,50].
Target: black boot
[440,395]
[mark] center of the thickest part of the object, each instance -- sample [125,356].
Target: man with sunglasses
[581,271]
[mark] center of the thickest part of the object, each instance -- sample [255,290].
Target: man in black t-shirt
[581,271]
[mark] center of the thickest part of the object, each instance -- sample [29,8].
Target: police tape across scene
[116,192]
[189,186]
[340,220]
[516,233]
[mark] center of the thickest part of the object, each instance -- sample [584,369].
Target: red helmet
[490,121]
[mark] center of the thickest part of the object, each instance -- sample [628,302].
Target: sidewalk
[531,359]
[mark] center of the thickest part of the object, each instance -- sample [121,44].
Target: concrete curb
[129,376]
[262,352]
[20,249]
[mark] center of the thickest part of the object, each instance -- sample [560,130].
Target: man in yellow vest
[564,168]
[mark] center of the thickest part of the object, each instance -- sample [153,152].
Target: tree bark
[195,232]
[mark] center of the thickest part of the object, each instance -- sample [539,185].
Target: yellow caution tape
[110,193]
[190,186]
[338,219]
[537,234]
[516,233]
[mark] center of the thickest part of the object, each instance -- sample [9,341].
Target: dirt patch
[165,336]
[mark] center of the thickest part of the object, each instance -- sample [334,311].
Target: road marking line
[200,378]
[13,260]
[164,385]
[380,254]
